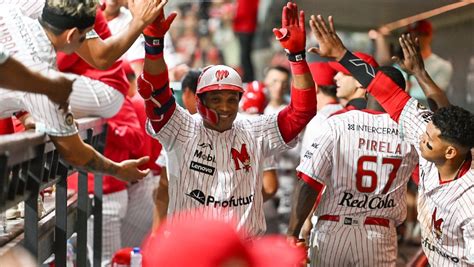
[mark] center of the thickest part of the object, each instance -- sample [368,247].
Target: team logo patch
[69,119]
[241,157]
[197,195]
[436,225]
[308,155]
[421,106]
[314,145]
[196,166]
[221,74]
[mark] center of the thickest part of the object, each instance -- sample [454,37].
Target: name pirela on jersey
[364,165]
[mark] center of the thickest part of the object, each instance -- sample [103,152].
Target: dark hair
[280,69]
[329,90]
[394,74]
[456,125]
[61,15]
[190,80]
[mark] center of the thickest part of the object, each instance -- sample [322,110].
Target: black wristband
[295,57]
[153,50]
[155,41]
[362,71]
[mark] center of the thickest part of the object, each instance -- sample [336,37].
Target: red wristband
[299,67]
[154,57]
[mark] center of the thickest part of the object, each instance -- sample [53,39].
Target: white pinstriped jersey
[220,172]
[3,54]
[26,41]
[363,163]
[445,210]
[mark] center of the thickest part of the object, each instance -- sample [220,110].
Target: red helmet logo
[221,74]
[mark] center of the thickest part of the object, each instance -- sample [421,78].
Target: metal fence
[30,163]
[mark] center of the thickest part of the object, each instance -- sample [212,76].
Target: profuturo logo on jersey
[241,157]
[209,200]
[204,156]
[367,202]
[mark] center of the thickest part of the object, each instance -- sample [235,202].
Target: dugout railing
[30,163]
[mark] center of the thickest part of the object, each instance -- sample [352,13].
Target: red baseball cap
[422,27]
[207,243]
[322,73]
[366,57]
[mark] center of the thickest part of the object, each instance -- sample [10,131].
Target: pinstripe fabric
[368,245]
[365,166]
[114,208]
[203,173]
[445,211]
[139,217]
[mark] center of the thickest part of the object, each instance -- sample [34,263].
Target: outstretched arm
[16,76]
[82,155]
[413,63]
[103,53]
[304,197]
[302,108]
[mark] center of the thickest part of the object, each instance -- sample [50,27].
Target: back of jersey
[370,166]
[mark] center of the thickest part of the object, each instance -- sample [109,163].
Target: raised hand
[330,45]
[146,11]
[412,61]
[160,26]
[129,171]
[292,34]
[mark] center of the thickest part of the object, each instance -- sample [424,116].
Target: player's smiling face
[432,147]
[226,104]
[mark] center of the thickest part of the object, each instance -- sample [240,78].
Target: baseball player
[361,164]
[214,161]
[34,30]
[443,139]
[26,41]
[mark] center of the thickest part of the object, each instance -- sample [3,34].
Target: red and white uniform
[25,40]
[445,209]
[219,171]
[358,157]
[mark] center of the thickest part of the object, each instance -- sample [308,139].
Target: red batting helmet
[215,78]
[254,99]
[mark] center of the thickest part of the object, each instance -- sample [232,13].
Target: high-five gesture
[292,34]
[330,45]
[412,61]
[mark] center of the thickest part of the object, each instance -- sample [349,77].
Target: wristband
[153,50]
[299,67]
[362,71]
[154,41]
[296,57]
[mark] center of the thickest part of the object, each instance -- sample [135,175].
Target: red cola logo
[221,74]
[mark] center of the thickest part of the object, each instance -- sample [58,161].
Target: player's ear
[70,34]
[450,152]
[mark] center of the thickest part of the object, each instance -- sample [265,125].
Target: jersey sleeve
[316,162]
[270,163]
[413,121]
[468,235]
[179,128]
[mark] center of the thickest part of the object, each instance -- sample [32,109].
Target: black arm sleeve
[360,70]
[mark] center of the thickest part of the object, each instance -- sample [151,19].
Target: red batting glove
[160,26]
[292,34]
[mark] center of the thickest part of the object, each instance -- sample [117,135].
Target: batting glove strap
[154,45]
[296,57]
[165,107]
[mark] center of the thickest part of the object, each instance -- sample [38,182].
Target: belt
[352,220]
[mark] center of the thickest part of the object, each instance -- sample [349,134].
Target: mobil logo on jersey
[210,200]
[241,158]
[204,156]
[367,201]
